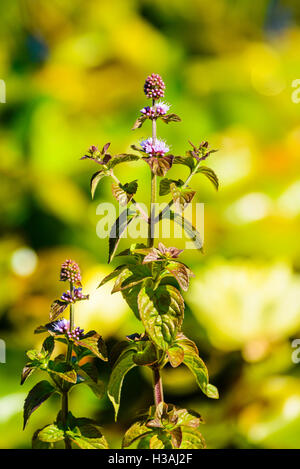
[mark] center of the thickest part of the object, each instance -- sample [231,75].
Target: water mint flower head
[159,109]
[75,334]
[154,86]
[70,271]
[148,111]
[75,295]
[162,108]
[67,297]
[156,148]
[59,327]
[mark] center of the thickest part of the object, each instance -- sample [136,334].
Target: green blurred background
[74,73]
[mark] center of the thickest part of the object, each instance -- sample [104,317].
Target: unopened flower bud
[70,271]
[154,86]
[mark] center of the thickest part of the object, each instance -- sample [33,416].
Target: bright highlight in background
[24,261]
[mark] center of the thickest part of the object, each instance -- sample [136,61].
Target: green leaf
[186,161]
[146,356]
[48,346]
[164,186]
[131,276]
[87,435]
[192,439]
[198,368]
[94,343]
[181,272]
[171,118]
[112,275]
[57,308]
[38,394]
[26,372]
[176,437]
[51,434]
[130,295]
[96,178]
[181,196]
[122,158]
[38,444]
[33,354]
[160,441]
[89,373]
[118,229]
[159,165]
[123,193]
[137,431]
[139,122]
[162,313]
[122,366]
[40,330]
[188,418]
[210,174]
[186,225]
[175,355]
[63,370]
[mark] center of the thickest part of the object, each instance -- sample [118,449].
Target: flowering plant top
[153,277]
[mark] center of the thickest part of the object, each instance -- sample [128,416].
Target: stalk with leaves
[151,278]
[66,371]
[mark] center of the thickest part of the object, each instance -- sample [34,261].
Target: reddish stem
[158,387]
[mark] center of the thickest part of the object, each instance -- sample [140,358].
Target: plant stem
[157,381]
[153,191]
[157,387]
[65,397]
[65,410]
[70,346]
[151,212]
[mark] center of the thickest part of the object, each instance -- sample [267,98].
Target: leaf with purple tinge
[94,343]
[96,178]
[171,118]
[162,313]
[122,158]
[160,165]
[137,431]
[57,308]
[118,229]
[176,437]
[139,122]
[175,355]
[181,197]
[37,395]
[181,273]
[210,174]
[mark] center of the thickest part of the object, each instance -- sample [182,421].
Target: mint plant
[151,278]
[66,371]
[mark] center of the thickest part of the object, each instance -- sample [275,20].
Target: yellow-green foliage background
[74,72]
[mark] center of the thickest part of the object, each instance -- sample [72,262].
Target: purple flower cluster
[77,295]
[154,86]
[159,109]
[75,334]
[70,271]
[60,327]
[158,148]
